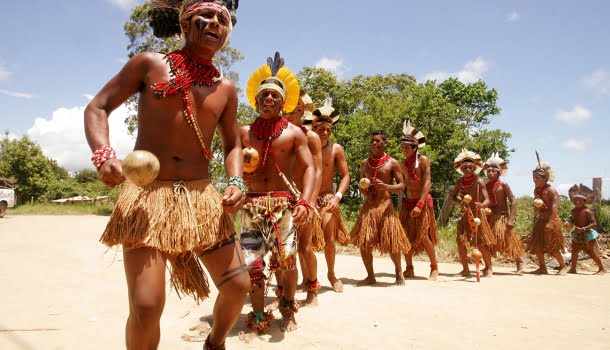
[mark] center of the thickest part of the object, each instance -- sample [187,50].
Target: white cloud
[598,80]
[513,16]
[16,94]
[62,137]
[471,72]
[578,115]
[124,4]
[577,145]
[563,188]
[4,73]
[334,65]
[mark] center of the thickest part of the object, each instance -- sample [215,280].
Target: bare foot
[311,300]
[409,272]
[367,282]
[464,273]
[572,271]
[433,275]
[336,285]
[601,272]
[288,324]
[302,287]
[540,271]
[520,267]
[563,271]
[274,305]
[400,280]
[488,272]
[247,337]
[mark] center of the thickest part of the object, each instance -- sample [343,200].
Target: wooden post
[447,209]
[597,189]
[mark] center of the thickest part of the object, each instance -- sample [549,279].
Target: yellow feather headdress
[274,76]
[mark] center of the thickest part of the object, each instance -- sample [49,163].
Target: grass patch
[65,209]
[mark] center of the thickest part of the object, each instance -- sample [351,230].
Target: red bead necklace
[376,163]
[268,130]
[539,191]
[410,165]
[491,190]
[466,182]
[187,69]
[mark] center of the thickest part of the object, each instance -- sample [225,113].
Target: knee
[238,287]
[146,309]
[329,241]
[304,246]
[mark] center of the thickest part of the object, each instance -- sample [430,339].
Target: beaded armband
[420,204]
[304,203]
[238,182]
[102,154]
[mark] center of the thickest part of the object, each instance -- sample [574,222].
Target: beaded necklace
[268,130]
[538,192]
[377,163]
[466,182]
[326,145]
[411,165]
[188,69]
[491,190]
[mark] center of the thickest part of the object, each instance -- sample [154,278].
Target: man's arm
[315,147]
[397,175]
[454,192]
[424,163]
[341,164]
[554,202]
[512,201]
[592,222]
[231,143]
[127,82]
[484,194]
[304,157]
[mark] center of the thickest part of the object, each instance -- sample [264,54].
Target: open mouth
[212,35]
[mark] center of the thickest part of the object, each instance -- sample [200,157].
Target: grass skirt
[341,234]
[507,242]
[549,241]
[378,227]
[317,236]
[484,235]
[176,218]
[417,228]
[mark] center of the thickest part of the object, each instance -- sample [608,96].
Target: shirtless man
[378,226]
[547,234]
[271,210]
[417,211]
[322,121]
[501,219]
[180,216]
[470,193]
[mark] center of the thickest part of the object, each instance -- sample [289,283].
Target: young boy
[582,223]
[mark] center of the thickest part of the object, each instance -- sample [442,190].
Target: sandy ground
[61,289]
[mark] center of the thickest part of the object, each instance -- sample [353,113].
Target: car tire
[3,206]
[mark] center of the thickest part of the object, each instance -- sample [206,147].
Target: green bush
[602,215]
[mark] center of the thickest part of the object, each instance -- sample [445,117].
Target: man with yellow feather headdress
[547,234]
[503,209]
[470,193]
[273,205]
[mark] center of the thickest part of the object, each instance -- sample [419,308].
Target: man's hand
[232,199]
[479,205]
[379,186]
[579,230]
[300,214]
[111,173]
[332,205]
[415,212]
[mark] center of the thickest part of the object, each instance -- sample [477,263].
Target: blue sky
[549,61]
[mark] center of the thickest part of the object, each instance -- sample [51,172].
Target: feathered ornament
[581,191]
[307,103]
[497,162]
[468,155]
[274,75]
[325,114]
[412,135]
[544,168]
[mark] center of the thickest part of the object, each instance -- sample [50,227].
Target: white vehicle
[7,197]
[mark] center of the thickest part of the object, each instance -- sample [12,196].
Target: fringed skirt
[484,235]
[507,242]
[340,233]
[420,227]
[548,240]
[378,227]
[176,218]
[315,227]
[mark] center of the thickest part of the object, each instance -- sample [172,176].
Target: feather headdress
[274,76]
[581,191]
[497,162]
[412,135]
[307,103]
[325,114]
[544,169]
[468,155]
[164,15]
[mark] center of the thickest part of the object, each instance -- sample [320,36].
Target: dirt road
[61,289]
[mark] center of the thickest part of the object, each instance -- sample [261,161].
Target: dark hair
[380,132]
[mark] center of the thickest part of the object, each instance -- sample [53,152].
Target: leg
[574,260]
[229,273]
[593,252]
[290,287]
[311,263]
[488,270]
[400,280]
[145,275]
[542,269]
[303,285]
[329,227]
[429,246]
[367,259]
[463,255]
[409,270]
[563,269]
[520,265]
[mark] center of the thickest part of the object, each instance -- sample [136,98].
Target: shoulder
[551,191]
[296,132]
[151,59]
[481,181]
[423,160]
[311,136]
[226,85]
[337,147]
